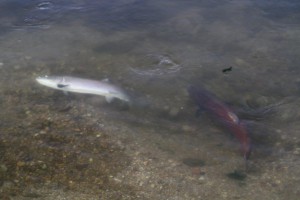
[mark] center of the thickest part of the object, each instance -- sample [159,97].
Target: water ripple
[157,65]
[47,5]
[44,14]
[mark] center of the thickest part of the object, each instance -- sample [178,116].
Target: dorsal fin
[109,99]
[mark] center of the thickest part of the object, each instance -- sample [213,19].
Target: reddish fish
[223,114]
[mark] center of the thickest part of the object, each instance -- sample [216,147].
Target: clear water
[80,147]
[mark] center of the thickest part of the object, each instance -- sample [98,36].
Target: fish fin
[106,80]
[60,85]
[109,99]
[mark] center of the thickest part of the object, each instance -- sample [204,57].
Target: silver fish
[86,86]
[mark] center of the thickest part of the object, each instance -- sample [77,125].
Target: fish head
[56,82]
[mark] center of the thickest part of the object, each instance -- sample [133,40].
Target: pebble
[3,168]
[201,178]
[278,182]
[117,180]
[20,163]
[173,112]
[224,195]
[28,57]
[44,166]
[16,67]
[283,137]
[196,171]
[240,61]
[278,131]
[187,128]
[98,135]
[297,151]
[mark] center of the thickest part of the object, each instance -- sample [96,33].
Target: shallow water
[79,147]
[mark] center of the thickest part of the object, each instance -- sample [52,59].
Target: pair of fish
[204,99]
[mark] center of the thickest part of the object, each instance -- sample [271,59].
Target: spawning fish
[86,86]
[224,115]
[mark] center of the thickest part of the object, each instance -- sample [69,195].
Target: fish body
[223,114]
[86,86]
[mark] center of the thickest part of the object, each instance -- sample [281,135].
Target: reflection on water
[79,146]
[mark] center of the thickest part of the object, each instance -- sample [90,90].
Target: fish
[86,86]
[223,114]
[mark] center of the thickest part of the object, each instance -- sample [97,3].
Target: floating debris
[228,69]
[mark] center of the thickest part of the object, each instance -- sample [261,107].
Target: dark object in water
[223,114]
[61,85]
[228,69]
[237,175]
[192,162]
